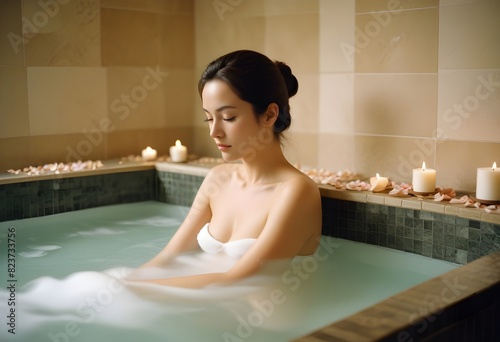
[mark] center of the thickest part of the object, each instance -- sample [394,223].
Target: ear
[270,116]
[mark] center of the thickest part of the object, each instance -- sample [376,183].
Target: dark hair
[257,80]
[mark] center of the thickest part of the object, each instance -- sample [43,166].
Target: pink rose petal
[462,199]
[438,197]
[491,209]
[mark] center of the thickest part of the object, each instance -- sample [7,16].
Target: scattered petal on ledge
[346,180]
[322,176]
[58,168]
[337,185]
[460,200]
[448,192]
[441,197]
[399,191]
[469,203]
[492,209]
[358,185]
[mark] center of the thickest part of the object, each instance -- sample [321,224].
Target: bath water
[65,282]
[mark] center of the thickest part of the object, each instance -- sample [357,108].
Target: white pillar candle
[424,180]
[378,183]
[488,183]
[149,154]
[178,153]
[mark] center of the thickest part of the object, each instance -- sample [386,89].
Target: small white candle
[378,183]
[424,180]
[148,154]
[178,153]
[488,183]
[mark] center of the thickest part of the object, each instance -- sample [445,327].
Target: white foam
[33,254]
[97,232]
[155,221]
[45,248]
[100,302]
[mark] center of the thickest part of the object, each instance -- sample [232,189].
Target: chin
[228,157]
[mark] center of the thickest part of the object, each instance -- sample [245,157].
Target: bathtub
[343,279]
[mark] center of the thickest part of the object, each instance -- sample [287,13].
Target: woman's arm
[293,227]
[184,238]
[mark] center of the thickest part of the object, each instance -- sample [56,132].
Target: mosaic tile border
[439,236]
[47,197]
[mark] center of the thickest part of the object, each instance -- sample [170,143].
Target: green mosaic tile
[434,235]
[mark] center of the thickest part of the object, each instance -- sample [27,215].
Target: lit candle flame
[494,166]
[377,175]
[423,166]
[178,143]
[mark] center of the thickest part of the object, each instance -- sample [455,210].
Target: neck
[264,166]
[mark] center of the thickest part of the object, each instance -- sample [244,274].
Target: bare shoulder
[296,216]
[220,174]
[221,170]
[299,194]
[300,184]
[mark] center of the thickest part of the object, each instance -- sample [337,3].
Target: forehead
[216,91]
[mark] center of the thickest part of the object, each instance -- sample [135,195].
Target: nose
[216,130]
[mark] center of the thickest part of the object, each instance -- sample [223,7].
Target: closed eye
[230,119]
[208,120]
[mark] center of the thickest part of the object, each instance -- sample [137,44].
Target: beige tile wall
[380,81]
[286,30]
[384,84]
[94,79]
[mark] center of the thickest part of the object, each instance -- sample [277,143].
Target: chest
[239,213]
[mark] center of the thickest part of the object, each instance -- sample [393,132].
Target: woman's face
[232,122]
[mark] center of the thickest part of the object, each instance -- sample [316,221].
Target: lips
[223,146]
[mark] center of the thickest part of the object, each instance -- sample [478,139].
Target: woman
[262,208]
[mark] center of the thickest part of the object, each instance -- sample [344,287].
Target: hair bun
[291,81]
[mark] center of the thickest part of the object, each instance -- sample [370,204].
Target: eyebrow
[220,109]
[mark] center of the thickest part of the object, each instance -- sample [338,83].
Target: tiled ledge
[410,202]
[184,168]
[109,167]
